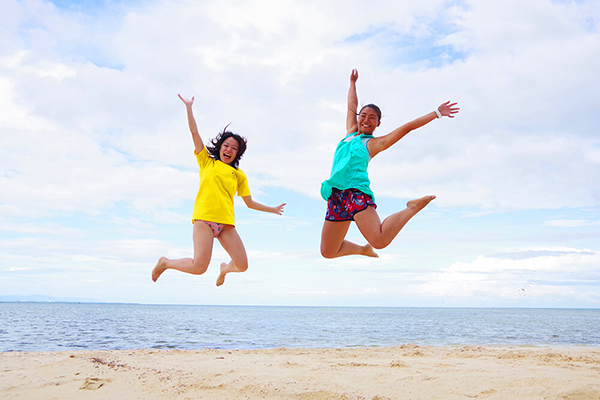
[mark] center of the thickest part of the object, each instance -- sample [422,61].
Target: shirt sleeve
[202,158]
[242,189]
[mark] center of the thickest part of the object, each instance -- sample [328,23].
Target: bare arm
[351,119]
[198,144]
[379,144]
[255,205]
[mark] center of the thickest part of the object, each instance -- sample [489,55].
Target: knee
[379,244]
[199,267]
[327,252]
[241,266]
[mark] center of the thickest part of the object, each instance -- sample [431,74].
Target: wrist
[438,113]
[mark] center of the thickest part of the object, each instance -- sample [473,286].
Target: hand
[354,75]
[187,102]
[448,110]
[279,209]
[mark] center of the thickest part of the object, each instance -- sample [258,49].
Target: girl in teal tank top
[347,191]
[349,170]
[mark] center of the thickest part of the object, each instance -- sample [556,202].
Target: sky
[98,176]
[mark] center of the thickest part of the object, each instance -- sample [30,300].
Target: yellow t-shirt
[219,182]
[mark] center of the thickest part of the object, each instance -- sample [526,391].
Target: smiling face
[229,150]
[368,120]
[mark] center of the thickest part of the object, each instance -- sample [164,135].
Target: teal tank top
[349,170]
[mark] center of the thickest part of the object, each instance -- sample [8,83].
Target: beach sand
[404,372]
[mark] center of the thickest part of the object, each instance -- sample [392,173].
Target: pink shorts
[215,227]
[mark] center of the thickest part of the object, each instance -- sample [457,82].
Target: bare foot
[419,204]
[369,251]
[221,277]
[160,267]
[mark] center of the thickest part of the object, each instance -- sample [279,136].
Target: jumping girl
[213,215]
[349,197]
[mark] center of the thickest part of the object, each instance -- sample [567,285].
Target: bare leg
[232,243]
[380,235]
[203,243]
[334,245]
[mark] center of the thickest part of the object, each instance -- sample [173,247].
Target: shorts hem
[343,205]
[351,218]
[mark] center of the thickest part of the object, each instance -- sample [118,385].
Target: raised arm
[351,118]
[255,205]
[379,144]
[198,143]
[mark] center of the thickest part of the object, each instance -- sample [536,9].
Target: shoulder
[349,136]
[203,154]
[241,175]
[204,159]
[376,145]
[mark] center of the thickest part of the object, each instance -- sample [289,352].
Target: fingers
[448,109]
[186,101]
[448,104]
[280,208]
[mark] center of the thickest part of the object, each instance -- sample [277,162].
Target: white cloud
[571,223]
[503,155]
[520,277]
[91,128]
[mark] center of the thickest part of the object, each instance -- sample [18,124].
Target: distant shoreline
[294,306]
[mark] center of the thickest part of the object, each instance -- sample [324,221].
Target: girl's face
[367,121]
[229,150]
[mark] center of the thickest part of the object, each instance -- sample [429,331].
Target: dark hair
[217,142]
[375,108]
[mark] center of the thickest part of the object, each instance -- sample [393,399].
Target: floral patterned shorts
[344,204]
[215,227]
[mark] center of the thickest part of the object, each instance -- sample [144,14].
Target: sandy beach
[404,372]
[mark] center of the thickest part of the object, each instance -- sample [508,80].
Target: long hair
[215,148]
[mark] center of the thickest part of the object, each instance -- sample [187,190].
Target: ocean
[92,326]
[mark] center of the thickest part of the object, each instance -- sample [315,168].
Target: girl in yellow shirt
[213,215]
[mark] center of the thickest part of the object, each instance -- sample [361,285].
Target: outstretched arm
[255,205]
[198,144]
[379,144]
[351,118]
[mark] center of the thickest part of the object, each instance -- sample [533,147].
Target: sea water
[73,326]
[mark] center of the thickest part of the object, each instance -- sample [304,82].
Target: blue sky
[97,175]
